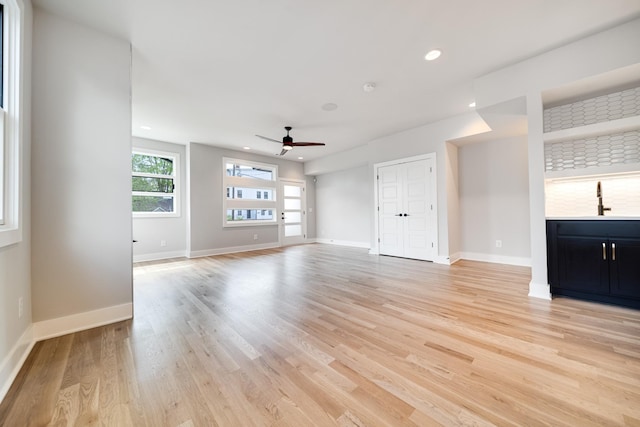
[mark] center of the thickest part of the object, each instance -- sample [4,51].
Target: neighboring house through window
[250,192]
[154,183]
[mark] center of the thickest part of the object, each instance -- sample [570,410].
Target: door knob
[405,215]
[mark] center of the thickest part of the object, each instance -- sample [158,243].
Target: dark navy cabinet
[597,260]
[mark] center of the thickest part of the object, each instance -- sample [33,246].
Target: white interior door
[391,237]
[406,216]
[293,218]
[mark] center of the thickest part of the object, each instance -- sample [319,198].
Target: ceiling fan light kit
[288,144]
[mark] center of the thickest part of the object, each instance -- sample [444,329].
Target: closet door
[405,210]
[390,209]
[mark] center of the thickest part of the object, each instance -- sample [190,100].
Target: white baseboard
[232,250]
[79,322]
[13,362]
[496,259]
[364,245]
[444,260]
[157,256]
[539,290]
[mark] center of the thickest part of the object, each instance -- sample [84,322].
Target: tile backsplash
[576,197]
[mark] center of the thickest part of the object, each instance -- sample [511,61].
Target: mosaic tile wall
[577,197]
[603,150]
[603,108]
[597,151]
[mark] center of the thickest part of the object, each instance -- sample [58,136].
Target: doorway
[406,211]
[293,215]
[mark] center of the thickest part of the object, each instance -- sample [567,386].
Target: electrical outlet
[255,237]
[498,243]
[20,307]
[163,243]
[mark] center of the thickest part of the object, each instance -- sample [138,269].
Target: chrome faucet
[601,207]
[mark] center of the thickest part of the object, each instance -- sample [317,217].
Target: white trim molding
[539,290]
[232,250]
[14,361]
[81,321]
[158,256]
[364,245]
[496,259]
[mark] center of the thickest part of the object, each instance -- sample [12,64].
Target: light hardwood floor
[325,335]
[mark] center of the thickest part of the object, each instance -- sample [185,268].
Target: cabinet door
[583,264]
[625,267]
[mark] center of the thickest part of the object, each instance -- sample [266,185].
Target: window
[250,193]
[154,183]
[10,123]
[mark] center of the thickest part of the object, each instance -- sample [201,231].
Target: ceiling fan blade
[307,144]
[283,152]
[269,139]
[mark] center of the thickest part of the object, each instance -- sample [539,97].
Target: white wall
[149,232]
[344,200]
[206,235]
[494,201]
[601,53]
[15,262]
[81,170]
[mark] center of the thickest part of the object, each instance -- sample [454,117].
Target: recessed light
[300,158]
[246,148]
[145,127]
[330,106]
[433,54]
[472,105]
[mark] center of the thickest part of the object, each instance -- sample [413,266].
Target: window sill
[10,236]
[140,215]
[249,224]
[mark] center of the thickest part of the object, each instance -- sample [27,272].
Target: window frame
[11,198]
[252,184]
[176,183]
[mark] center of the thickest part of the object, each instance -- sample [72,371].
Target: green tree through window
[153,183]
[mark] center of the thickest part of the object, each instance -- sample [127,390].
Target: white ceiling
[218,72]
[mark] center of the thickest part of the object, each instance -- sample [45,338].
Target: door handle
[613,252]
[398,214]
[604,251]
[406,215]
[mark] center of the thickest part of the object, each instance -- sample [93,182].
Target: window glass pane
[154,185]
[152,203]
[249,193]
[292,204]
[245,171]
[292,230]
[236,215]
[290,217]
[291,191]
[151,164]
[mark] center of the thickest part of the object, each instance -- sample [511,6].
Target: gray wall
[149,232]
[494,199]
[204,175]
[345,203]
[81,190]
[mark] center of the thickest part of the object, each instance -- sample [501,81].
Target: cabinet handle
[613,252]
[604,251]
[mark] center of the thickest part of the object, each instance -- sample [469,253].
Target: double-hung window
[10,121]
[250,190]
[154,183]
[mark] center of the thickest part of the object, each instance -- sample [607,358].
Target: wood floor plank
[332,336]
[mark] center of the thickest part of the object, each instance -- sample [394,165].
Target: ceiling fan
[287,142]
